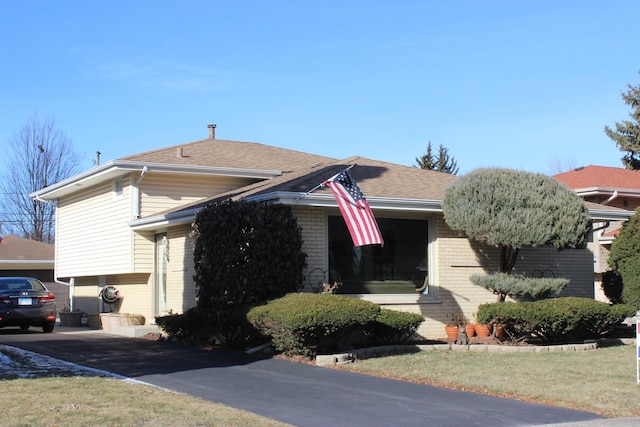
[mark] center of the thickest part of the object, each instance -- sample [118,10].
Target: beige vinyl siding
[136,291]
[93,237]
[160,192]
[143,245]
[86,293]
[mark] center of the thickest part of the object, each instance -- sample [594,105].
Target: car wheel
[48,327]
[24,327]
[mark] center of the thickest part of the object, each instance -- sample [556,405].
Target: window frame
[429,295]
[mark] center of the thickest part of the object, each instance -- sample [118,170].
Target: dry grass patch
[601,381]
[84,401]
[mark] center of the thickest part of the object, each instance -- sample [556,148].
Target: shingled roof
[600,177]
[230,154]
[376,179]
[13,248]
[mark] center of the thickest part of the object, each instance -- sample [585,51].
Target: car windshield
[20,285]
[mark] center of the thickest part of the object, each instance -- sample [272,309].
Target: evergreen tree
[512,209]
[627,132]
[441,162]
[624,258]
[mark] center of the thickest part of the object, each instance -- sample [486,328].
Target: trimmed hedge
[566,319]
[306,324]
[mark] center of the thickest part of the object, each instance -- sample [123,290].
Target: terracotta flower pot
[482,330]
[452,332]
[470,329]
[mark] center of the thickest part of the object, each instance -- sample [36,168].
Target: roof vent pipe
[179,153]
[212,131]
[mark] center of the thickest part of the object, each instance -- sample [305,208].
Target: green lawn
[601,381]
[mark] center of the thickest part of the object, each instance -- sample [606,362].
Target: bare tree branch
[40,155]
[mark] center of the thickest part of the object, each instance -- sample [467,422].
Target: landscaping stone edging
[388,350]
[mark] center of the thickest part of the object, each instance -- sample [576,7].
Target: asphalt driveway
[295,393]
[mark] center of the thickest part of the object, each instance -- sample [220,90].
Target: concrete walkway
[298,394]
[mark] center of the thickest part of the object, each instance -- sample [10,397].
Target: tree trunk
[508,258]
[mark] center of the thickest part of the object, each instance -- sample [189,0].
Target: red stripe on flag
[355,210]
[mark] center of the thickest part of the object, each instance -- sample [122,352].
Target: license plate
[24,301]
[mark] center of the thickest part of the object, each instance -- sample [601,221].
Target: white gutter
[289,198]
[605,215]
[328,200]
[116,168]
[49,202]
[136,192]
[607,191]
[28,261]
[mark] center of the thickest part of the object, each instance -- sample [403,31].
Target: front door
[160,277]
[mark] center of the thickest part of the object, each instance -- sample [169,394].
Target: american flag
[355,210]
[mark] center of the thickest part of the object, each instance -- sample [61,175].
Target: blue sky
[520,84]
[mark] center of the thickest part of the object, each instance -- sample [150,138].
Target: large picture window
[399,267]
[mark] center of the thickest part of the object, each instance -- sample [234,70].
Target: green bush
[305,323]
[188,326]
[511,209]
[245,253]
[625,259]
[520,287]
[392,327]
[612,286]
[567,319]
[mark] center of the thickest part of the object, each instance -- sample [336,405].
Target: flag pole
[322,184]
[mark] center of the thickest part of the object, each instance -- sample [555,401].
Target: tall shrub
[512,209]
[625,259]
[245,253]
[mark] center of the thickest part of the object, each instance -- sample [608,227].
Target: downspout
[136,196]
[611,198]
[71,284]
[72,290]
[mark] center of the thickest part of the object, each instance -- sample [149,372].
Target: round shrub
[305,323]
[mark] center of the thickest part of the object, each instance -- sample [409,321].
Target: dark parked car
[25,302]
